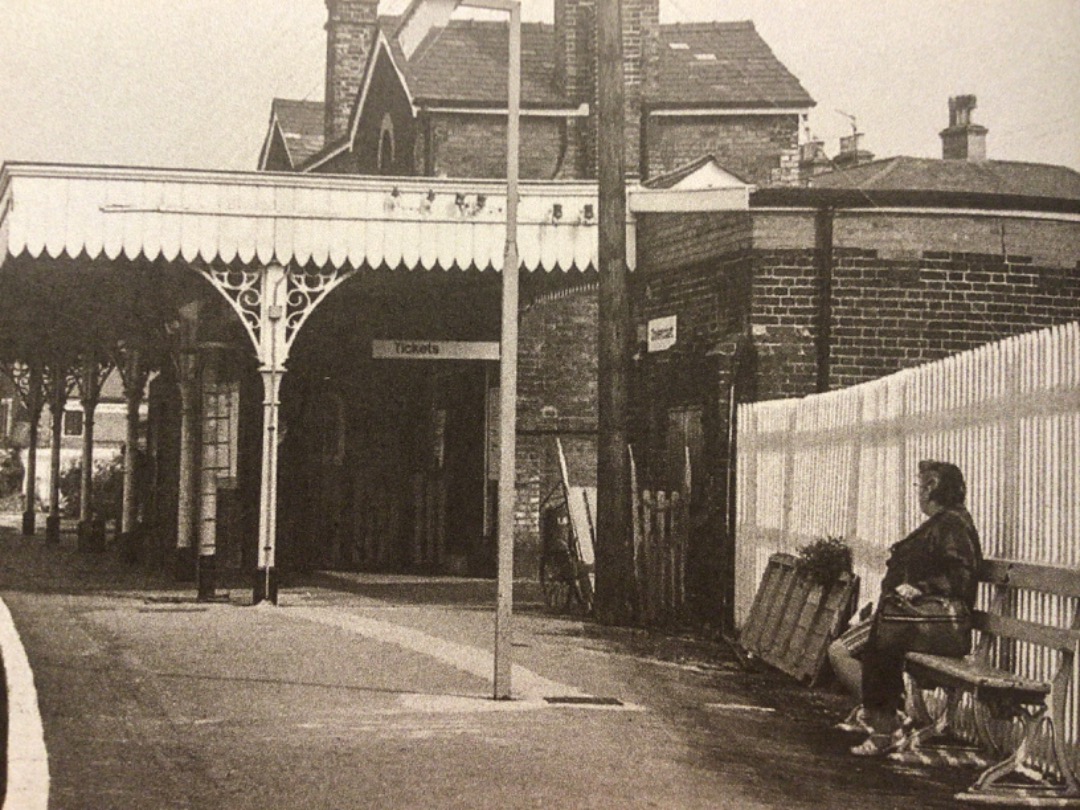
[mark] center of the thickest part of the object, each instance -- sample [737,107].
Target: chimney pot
[962,139]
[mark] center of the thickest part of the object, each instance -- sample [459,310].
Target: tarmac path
[364,691]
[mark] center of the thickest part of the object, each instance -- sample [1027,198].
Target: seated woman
[940,558]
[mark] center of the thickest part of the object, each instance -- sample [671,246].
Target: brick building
[412,96]
[866,271]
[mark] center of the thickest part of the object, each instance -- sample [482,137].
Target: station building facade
[412,482]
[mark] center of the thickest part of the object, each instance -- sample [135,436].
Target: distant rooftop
[301,124]
[722,64]
[998,177]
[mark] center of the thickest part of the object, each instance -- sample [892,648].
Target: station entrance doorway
[390,423]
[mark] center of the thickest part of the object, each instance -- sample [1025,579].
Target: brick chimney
[963,140]
[575,56]
[575,33]
[812,159]
[350,35]
[851,153]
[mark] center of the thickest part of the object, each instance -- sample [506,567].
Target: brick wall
[948,297]
[752,147]
[906,289]
[696,267]
[475,146]
[902,289]
[556,399]
[783,308]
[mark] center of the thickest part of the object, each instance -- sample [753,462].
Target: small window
[386,145]
[73,423]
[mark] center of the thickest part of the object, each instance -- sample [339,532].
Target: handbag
[936,625]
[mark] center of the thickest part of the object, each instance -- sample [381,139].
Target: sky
[189,83]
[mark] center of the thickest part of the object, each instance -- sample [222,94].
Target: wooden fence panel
[843,463]
[660,526]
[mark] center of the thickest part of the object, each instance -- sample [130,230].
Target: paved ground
[363,691]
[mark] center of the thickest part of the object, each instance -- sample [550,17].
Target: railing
[660,533]
[844,463]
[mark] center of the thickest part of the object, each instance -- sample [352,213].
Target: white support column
[266,587]
[273,351]
[272,304]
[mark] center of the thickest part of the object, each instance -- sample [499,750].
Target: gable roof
[705,172]
[721,64]
[301,126]
[998,177]
[466,63]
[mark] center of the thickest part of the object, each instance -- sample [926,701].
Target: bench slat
[1031,576]
[1054,638]
[971,672]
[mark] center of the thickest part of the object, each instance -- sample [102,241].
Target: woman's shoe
[876,745]
[855,722]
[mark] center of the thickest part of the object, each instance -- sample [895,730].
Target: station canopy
[316,222]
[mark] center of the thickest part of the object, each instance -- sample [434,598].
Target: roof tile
[302,125]
[1004,177]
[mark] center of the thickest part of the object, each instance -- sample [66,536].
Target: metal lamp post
[507,356]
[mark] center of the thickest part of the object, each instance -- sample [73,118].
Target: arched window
[386,145]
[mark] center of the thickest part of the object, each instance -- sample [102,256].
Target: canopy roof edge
[305,220]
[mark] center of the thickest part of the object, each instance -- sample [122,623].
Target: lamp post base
[28,520]
[266,586]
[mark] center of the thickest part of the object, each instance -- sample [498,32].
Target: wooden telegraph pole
[613,540]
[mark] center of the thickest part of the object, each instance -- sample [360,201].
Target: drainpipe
[823,281]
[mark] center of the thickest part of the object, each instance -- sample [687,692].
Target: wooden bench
[997,690]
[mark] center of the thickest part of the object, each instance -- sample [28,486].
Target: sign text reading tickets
[435,349]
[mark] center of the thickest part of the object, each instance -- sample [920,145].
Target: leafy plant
[107,488]
[11,471]
[825,560]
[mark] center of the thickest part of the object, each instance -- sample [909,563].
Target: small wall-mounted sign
[663,332]
[435,349]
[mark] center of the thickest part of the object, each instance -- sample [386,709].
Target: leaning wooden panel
[793,619]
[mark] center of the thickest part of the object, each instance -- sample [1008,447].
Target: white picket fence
[844,464]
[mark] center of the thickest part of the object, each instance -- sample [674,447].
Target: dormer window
[386,145]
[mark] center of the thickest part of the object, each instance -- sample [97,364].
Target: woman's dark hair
[951,489]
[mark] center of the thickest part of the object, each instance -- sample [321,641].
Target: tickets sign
[435,349]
